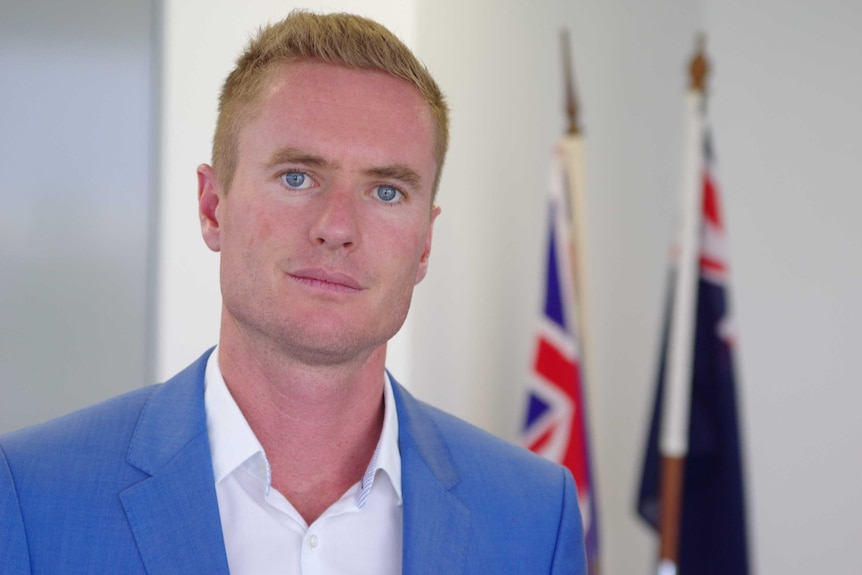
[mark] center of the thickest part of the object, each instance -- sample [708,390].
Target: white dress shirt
[263,533]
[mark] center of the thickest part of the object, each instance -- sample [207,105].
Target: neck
[318,424]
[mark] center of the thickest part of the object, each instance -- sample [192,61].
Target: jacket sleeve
[14,555]
[570,556]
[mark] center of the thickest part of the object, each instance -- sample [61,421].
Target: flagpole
[673,442]
[571,150]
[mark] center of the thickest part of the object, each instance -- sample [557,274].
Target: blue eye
[296,180]
[387,194]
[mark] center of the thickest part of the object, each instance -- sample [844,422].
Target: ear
[426,254]
[209,196]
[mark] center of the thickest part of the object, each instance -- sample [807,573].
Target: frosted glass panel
[75,189]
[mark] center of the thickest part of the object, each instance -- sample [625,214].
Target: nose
[336,223]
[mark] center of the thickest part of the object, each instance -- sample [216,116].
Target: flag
[713,528]
[556,422]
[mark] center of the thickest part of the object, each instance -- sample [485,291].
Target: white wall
[788,118]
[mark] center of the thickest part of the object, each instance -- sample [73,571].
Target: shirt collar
[387,457]
[233,444]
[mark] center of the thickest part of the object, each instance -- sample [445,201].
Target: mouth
[326,280]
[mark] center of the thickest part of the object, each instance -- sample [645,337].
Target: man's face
[327,225]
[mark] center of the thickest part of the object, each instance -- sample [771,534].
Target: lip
[321,278]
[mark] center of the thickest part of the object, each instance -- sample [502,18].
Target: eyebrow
[399,172]
[295,156]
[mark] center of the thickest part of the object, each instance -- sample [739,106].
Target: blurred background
[108,106]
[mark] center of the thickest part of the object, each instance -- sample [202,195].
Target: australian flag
[556,422]
[713,528]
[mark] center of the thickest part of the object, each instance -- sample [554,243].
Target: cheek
[262,230]
[254,230]
[407,251]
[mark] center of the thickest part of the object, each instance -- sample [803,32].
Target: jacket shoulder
[91,427]
[476,451]
[62,482]
[101,430]
[523,509]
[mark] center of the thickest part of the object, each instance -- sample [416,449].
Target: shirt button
[313,541]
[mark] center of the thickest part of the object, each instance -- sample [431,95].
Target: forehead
[311,104]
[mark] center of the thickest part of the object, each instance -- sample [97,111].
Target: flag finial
[698,69]
[572,108]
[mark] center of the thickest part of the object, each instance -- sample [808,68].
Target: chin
[332,342]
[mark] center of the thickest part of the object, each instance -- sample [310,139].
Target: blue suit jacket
[127,487]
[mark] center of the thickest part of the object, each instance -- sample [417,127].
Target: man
[288,449]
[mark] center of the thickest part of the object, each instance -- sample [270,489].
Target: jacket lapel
[174,512]
[436,521]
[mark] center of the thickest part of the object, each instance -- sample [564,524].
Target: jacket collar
[174,513]
[436,521]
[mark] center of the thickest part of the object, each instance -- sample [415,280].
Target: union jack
[556,422]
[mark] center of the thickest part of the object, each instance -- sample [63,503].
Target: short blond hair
[339,39]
